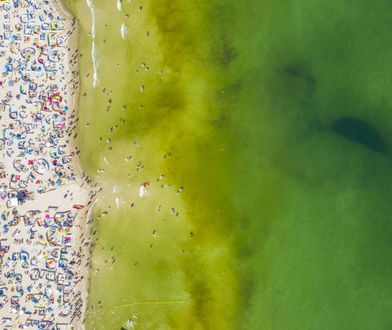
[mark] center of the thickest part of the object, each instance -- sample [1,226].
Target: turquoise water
[278,116]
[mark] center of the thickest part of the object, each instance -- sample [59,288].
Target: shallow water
[283,221]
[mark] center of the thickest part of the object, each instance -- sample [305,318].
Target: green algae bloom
[261,132]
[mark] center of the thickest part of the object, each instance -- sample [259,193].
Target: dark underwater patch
[358,131]
[298,71]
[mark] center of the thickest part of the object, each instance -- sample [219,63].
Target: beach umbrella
[24,255]
[3,291]
[51,263]
[53,153]
[60,218]
[13,114]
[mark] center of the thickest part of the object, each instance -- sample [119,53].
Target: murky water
[262,129]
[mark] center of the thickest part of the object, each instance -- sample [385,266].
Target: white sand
[44,241]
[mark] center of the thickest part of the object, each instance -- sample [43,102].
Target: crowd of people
[43,198]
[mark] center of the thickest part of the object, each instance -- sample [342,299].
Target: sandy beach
[44,196]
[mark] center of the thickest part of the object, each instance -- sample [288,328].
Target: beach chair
[35,274]
[50,276]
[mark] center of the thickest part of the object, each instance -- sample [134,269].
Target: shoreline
[86,221]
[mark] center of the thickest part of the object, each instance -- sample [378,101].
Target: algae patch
[150,121]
